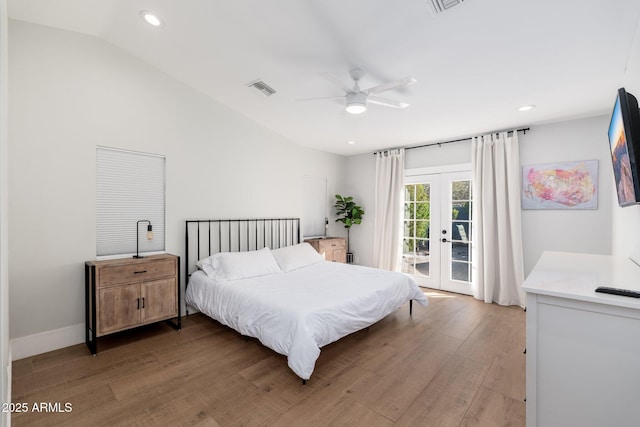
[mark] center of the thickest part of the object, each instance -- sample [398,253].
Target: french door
[437,231]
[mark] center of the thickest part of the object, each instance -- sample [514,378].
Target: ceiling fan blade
[407,81]
[321,98]
[386,102]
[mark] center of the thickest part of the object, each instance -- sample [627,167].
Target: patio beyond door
[437,249]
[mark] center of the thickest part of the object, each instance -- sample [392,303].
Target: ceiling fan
[356,99]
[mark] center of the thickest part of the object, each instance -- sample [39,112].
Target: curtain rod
[523,130]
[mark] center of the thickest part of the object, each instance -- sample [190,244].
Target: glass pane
[461,230]
[408,246]
[415,262]
[422,257]
[422,229]
[408,210]
[423,192]
[422,210]
[409,228]
[422,247]
[460,190]
[422,268]
[460,271]
[460,210]
[409,191]
[407,264]
[459,251]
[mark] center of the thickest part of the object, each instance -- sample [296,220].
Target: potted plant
[349,214]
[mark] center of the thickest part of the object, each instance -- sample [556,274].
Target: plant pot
[349,257]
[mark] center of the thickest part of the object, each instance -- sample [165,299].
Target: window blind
[130,186]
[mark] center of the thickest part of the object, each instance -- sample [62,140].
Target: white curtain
[499,268]
[387,234]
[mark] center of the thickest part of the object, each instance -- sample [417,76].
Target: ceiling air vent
[262,87]
[439,6]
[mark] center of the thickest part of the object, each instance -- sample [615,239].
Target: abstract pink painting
[568,185]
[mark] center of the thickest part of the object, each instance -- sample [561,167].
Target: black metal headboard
[205,237]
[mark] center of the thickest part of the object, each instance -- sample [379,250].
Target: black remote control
[616,291]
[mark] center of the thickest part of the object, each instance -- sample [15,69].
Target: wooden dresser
[125,293]
[332,248]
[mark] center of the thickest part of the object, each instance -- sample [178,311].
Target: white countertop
[576,276]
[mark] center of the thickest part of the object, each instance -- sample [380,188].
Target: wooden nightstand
[125,293]
[332,248]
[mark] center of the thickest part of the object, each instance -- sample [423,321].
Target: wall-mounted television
[624,141]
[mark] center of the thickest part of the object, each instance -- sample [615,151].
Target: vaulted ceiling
[475,64]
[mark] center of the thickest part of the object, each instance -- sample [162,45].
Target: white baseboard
[43,342]
[7,414]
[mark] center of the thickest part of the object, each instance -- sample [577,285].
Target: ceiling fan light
[356,103]
[356,108]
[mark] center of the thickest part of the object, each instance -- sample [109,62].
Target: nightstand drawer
[333,244]
[138,272]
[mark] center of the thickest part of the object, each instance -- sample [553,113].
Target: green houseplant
[349,213]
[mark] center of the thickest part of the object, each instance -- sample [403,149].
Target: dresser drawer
[333,244]
[139,272]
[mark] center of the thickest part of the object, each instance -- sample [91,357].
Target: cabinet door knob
[139,272]
[138,303]
[143,302]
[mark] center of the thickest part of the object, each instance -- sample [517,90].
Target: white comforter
[298,312]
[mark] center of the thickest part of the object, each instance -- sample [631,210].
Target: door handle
[444,240]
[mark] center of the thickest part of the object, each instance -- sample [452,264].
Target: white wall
[579,231]
[71,92]
[438,155]
[5,355]
[587,231]
[360,183]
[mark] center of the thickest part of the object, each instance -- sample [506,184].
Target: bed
[256,277]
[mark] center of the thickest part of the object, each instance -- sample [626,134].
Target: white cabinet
[583,347]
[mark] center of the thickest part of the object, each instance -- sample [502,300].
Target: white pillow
[297,256]
[240,265]
[207,265]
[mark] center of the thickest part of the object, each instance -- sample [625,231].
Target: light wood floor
[457,362]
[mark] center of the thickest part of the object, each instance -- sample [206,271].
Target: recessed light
[351,142]
[151,18]
[527,107]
